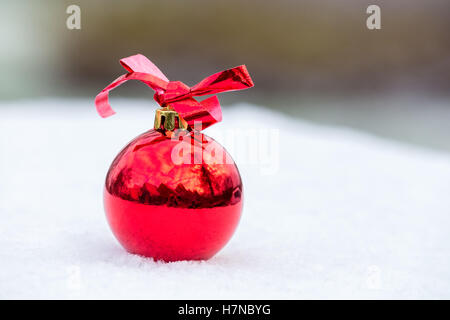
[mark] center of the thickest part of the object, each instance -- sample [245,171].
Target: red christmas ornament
[174,193]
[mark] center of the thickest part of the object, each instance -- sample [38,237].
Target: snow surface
[347,215]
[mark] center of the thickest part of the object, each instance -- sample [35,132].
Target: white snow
[347,215]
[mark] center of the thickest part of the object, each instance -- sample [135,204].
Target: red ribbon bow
[176,93]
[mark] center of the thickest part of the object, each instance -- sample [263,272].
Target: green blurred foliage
[289,46]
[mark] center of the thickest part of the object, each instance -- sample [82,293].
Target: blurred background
[314,60]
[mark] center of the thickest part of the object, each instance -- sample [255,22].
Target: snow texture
[346,215]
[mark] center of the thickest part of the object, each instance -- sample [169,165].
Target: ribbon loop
[176,93]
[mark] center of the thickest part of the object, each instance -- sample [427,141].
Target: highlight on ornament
[174,210]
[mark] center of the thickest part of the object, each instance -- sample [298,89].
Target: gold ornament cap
[166,118]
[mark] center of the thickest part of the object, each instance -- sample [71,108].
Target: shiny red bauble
[173,196]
